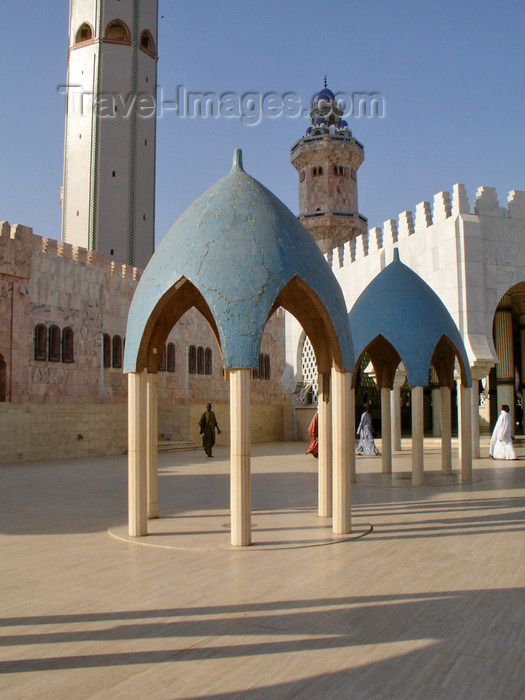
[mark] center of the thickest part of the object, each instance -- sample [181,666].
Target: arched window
[314,172]
[106,349]
[117,351]
[192,359]
[84,33]
[162,360]
[40,342]
[67,345]
[146,42]
[267,366]
[54,344]
[261,366]
[117,31]
[320,171]
[336,170]
[171,358]
[3,379]
[255,373]
[200,360]
[207,361]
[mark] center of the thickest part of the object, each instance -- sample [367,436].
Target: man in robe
[365,432]
[208,424]
[313,431]
[501,441]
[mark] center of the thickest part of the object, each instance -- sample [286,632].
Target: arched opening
[171,358]
[117,351]
[106,349]
[40,342]
[117,31]
[67,345]
[505,383]
[54,344]
[208,361]
[192,359]
[3,379]
[200,360]
[84,33]
[146,42]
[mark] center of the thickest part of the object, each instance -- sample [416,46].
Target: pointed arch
[385,359]
[84,33]
[117,31]
[179,298]
[304,304]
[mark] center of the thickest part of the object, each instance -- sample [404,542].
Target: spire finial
[325,81]
[237,159]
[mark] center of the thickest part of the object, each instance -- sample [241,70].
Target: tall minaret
[108,198]
[327,158]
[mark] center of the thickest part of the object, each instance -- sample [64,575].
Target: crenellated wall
[43,281]
[469,255]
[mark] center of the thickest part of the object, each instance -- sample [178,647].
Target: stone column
[446,431]
[386,432]
[137,459]
[152,443]
[343,428]
[466,434]
[522,343]
[240,488]
[474,415]
[417,435]
[436,400]
[325,447]
[458,402]
[505,351]
[395,400]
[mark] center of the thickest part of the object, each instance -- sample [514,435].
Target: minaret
[108,198]
[327,158]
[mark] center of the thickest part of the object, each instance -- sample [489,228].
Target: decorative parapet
[26,242]
[444,206]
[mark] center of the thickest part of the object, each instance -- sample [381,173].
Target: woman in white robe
[366,444]
[501,441]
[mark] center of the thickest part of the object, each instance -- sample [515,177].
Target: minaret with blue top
[327,158]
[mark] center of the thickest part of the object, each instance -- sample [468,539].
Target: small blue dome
[309,130]
[319,121]
[326,94]
[405,310]
[343,124]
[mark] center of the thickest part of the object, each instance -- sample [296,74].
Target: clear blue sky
[451,75]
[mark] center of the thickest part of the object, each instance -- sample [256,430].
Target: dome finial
[325,81]
[237,160]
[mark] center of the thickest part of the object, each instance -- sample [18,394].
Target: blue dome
[343,124]
[401,307]
[326,94]
[309,130]
[319,121]
[240,252]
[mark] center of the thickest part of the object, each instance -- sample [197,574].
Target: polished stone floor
[424,600]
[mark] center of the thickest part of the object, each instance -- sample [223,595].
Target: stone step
[177,445]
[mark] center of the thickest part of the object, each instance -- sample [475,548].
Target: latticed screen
[309,367]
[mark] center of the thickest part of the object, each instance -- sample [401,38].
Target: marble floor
[424,600]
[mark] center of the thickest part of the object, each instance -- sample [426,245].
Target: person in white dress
[365,432]
[501,441]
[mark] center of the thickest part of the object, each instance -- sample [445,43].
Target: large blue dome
[238,248]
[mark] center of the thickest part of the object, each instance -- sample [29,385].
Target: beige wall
[51,431]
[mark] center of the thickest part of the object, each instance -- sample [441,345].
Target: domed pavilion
[237,254]
[397,319]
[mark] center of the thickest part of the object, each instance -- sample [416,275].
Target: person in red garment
[313,430]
